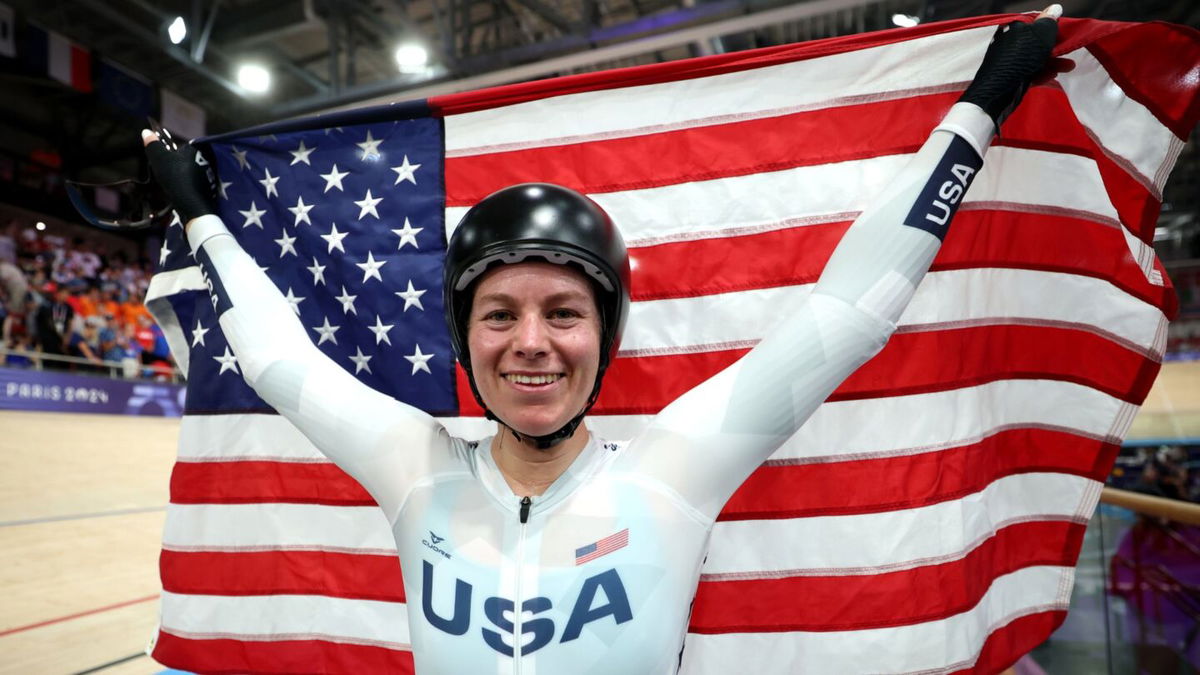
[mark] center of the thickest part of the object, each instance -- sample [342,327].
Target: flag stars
[228,362]
[347,301]
[318,272]
[253,216]
[222,187]
[240,156]
[419,361]
[326,333]
[408,235]
[406,172]
[163,254]
[369,147]
[300,210]
[360,361]
[380,329]
[333,179]
[300,154]
[371,267]
[198,334]
[293,300]
[269,183]
[367,205]
[334,238]
[286,245]
[412,297]
[175,219]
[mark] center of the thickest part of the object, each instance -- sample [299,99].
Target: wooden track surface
[82,501]
[1172,408]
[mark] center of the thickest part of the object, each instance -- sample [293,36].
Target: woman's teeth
[533,379]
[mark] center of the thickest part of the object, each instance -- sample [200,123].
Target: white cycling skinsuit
[597,574]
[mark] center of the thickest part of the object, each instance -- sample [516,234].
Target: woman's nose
[531,339]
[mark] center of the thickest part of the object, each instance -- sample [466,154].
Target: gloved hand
[1018,52]
[184,174]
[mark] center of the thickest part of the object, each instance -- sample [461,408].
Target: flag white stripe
[902,66]
[929,648]
[1124,127]
[266,437]
[837,191]
[924,535]
[902,425]
[259,618]
[839,430]
[954,296]
[251,527]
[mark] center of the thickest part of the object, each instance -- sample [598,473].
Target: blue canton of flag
[348,222]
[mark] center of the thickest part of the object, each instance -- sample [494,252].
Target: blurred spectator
[53,323]
[84,341]
[1165,473]
[83,299]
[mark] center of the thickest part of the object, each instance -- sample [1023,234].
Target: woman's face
[534,341]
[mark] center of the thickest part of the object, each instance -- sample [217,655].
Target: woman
[544,547]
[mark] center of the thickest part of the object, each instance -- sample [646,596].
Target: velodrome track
[82,504]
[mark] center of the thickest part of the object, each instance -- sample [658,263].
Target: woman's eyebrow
[562,296]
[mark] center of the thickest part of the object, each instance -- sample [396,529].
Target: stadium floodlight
[905,20]
[177,30]
[41,227]
[411,58]
[254,78]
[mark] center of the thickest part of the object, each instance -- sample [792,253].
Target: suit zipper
[518,633]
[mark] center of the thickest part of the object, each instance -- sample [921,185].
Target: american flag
[926,519]
[612,542]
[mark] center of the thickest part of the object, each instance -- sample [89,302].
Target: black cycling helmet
[544,222]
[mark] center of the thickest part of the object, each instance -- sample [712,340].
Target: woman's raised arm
[383,443]
[709,440]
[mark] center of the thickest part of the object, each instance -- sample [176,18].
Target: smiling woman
[553,550]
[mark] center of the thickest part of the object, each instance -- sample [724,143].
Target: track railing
[128,369]
[1136,603]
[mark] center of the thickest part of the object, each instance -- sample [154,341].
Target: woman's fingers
[1052,12]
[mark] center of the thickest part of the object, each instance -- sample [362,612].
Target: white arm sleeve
[708,441]
[383,443]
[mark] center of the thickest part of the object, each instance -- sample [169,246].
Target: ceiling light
[905,20]
[177,30]
[411,58]
[254,78]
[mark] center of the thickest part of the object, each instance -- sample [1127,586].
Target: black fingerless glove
[186,177]
[1017,53]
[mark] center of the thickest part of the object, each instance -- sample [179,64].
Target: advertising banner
[66,392]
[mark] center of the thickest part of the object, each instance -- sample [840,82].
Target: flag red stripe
[978,239]
[753,146]
[774,490]
[1156,81]
[905,597]
[911,481]
[1037,125]
[285,656]
[342,575]
[257,481]
[729,149]
[911,363]
[1005,645]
